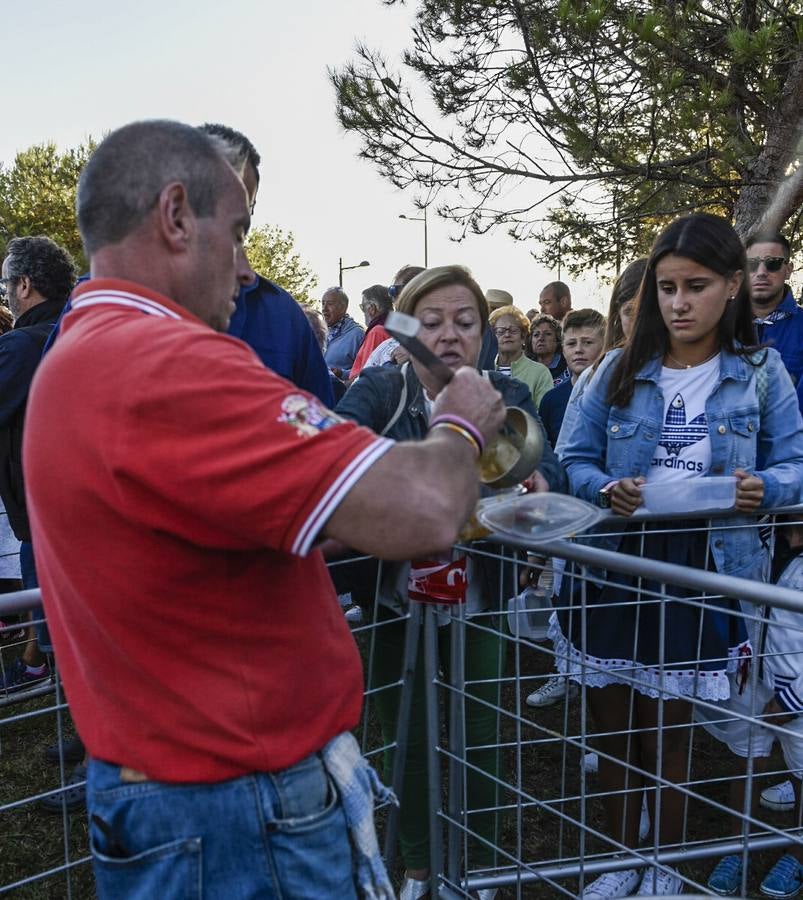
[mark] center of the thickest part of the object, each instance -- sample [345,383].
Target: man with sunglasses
[778,319]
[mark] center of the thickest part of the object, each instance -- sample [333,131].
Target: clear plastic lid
[537,517]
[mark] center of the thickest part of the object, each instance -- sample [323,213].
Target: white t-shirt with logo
[684,450]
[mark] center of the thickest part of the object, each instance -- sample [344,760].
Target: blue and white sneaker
[726,879]
[784,879]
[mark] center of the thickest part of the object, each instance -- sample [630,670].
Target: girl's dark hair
[624,290]
[711,242]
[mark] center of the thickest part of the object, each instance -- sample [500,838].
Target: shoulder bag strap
[402,402]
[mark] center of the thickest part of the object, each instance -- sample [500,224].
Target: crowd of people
[194,444]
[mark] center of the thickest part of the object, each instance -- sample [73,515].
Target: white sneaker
[412,888]
[553,691]
[779,796]
[590,763]
[612,885]
[660,883]
[354,615]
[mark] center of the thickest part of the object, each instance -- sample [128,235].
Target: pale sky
[86,67]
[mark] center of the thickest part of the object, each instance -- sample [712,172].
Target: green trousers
[484,660]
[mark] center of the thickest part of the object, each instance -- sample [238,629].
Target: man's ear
[176,218]
[24,287]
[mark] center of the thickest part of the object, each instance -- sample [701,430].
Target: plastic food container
[537,517]
[689,495]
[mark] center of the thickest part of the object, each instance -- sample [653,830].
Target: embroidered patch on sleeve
[307,415]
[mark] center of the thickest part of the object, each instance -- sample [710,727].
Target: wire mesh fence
[532,799]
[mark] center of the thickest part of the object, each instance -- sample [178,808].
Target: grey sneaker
[660,883]
[553,691]
[612,885]
[780,797]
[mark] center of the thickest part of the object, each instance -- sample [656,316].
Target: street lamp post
[342,269]
[424,220]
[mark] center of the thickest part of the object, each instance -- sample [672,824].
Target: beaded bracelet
[461,423]
[457,429]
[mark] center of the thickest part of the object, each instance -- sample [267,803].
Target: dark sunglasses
[771,263]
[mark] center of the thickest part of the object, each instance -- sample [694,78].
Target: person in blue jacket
[266,317]
[778,319]
[688,395]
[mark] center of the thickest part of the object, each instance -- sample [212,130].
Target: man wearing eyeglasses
[778,319]
[37,278]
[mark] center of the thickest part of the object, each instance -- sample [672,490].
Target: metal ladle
[515,452]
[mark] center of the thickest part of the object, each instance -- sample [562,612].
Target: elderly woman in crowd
[544,346]
[397,403]
[511,328]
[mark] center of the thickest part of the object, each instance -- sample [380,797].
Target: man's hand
[472,397]
[749,491]
[626,496]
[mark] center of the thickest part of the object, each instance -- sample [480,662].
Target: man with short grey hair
[192,488]
[37,277]
[555,300]
[345,335]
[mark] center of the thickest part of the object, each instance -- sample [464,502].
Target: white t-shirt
[684,450]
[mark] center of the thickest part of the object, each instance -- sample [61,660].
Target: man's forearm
[413,501]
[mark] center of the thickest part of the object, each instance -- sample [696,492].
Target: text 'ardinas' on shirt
[684,450]
[176,488]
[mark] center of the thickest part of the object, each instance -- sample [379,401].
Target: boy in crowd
[583,335]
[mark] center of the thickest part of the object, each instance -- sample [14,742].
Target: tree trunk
[772,193]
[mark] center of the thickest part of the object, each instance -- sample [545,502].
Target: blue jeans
[31,580]
[278,835]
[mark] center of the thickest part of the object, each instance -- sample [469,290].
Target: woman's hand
[626,496]
[749,491]
[536,483]
[400,355]
[778,715]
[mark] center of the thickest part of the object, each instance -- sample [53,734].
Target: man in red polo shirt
[177,491]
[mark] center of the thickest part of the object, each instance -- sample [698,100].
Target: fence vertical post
[433,735]
[457,800]
[411,636]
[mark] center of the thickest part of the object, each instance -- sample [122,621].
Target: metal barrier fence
[505,790]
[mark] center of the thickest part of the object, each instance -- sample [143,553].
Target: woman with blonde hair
[512,329]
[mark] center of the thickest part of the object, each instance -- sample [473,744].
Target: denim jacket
[609,442]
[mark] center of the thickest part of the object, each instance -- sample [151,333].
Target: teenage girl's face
[692,299]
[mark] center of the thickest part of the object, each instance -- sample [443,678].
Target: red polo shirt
[176,487]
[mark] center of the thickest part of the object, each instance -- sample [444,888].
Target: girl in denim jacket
[685,397]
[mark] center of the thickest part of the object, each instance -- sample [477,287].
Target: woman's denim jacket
[609,442]
[374,398]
